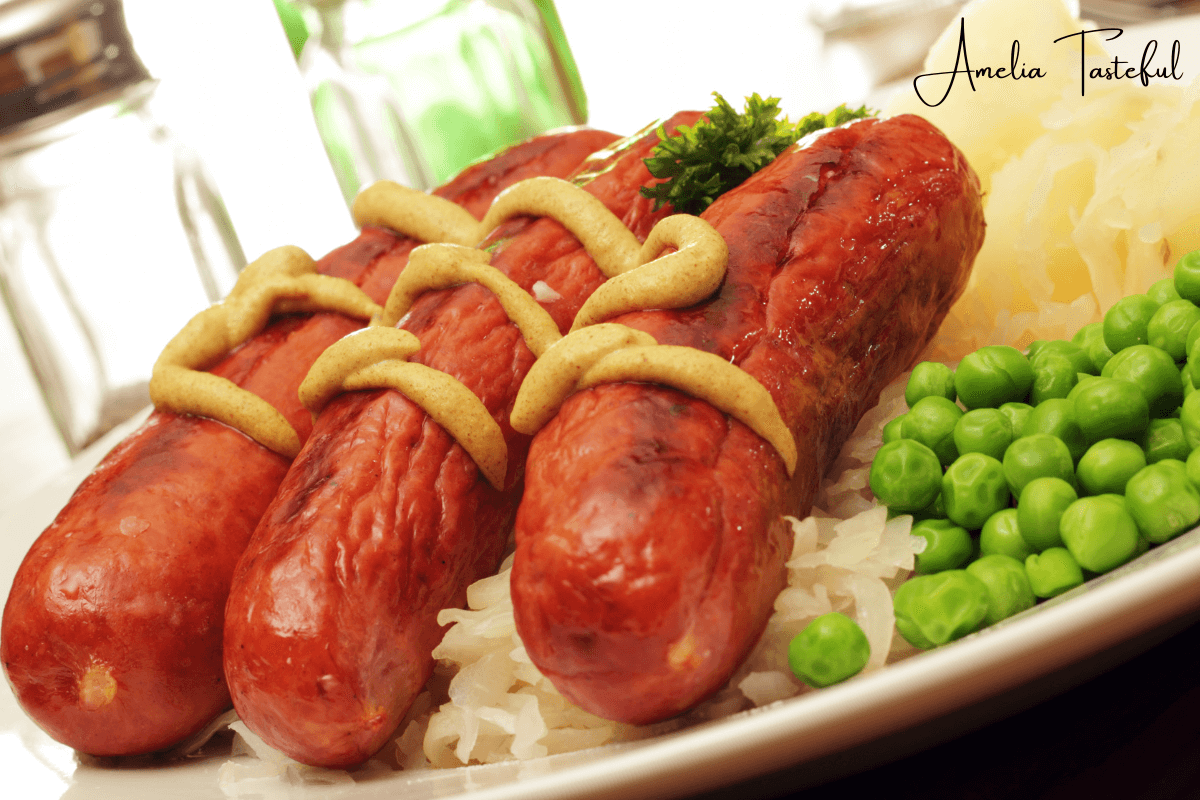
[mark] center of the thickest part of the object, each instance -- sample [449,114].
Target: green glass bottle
[412,94]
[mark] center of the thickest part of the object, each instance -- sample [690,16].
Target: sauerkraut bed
[1088,198]
[488,703]
[848,559]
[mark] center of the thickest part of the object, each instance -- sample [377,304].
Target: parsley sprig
[702,162]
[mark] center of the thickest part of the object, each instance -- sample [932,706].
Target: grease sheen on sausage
[650,539]
[384,520]
[112,631]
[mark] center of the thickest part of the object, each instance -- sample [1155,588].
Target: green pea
[1192,467]
[1052,572]
[1193,335]
[1164,439]
[1001,535]
[1080,385]
[1008,586]
[1018,414]
[1116,497]
[1193,348]
[993,375]
[1189,418]
[1121,502]
[1163,291]
[1091,339]
[1189,341]
[1187,276]
[932,610]
[974,488]
[1070,350]
[983,430]
[1110,408]
[1040,510]
[947,546]
[829,650]
[1035,347]
[1036,456]
[1053,376]
[931,422]
[1185,378]
[1099,533]
[1163,501]
[1126,322]
[929,379]
[1168,328]
[1108,465]
[1154,372]
[893,429]
[935,510]
[1057,418]
[905,475]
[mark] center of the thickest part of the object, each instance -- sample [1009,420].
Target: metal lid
[58,53]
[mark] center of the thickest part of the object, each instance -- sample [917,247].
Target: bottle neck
[82,57]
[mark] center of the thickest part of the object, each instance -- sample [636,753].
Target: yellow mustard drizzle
[376,357]
[611,245]
[557,375]
[640,276]
[676,280]
[424,217]
[441,266]
[283,280]
[612,353]
[606,239]
[450,263]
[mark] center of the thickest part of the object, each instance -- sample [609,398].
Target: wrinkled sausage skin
[112,631]
[384,520]
[650,539]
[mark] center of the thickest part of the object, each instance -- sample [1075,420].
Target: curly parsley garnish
[704,161]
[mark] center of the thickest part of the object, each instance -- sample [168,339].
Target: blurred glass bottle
[415,91]
[111,235]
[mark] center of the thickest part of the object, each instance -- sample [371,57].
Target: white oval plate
[1119,612]
[1160,587]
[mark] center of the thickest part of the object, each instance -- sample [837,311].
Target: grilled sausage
[384,519]
[112,631]
[650,539]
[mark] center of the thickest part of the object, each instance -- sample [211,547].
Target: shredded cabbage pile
[1088,197]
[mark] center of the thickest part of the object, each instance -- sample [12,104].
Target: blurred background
[267,116]
[282,111]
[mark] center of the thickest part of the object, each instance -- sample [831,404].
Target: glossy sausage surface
[650,539]
[112,631]
[384,520]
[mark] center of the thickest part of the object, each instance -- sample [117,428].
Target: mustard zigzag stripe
[283,280]
[612,353]
[376,357]
[640,277]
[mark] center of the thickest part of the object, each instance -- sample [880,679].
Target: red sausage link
[650,539]
[112,632]
[384,520]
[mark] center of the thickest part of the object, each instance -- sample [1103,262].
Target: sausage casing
[650,539]
[384,520]
[112,632]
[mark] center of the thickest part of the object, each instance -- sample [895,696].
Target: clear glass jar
[111,234]
[413,92]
